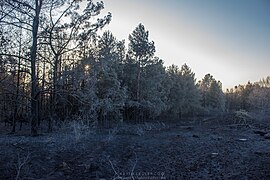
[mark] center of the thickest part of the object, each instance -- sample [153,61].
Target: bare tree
[44,20]
[65,31]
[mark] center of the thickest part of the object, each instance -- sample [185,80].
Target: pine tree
[212,94]
[111,94]
[141,50]
[192,97]
[184,96]
[140,54]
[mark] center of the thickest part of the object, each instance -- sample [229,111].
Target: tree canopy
[55,66]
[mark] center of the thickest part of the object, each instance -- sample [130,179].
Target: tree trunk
[138,109]
[42,97]
[17,87]
[34,81]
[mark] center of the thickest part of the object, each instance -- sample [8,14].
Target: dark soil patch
[153,150]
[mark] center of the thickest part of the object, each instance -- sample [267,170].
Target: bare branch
[13,55]
[16,25]
[21,163]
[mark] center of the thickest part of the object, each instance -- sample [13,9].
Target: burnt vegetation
[100,109]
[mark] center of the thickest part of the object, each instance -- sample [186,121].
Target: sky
[228,39]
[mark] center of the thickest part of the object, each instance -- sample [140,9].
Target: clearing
[155,150]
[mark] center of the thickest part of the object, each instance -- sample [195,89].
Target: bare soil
[206,149]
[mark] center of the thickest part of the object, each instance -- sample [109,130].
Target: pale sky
[229,39]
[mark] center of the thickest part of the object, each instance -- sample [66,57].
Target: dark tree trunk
[34,102]
[17,88]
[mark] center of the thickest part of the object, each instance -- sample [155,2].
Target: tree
[264,82]
[12,53]
[212,94]
[67,29]
[34,84]
[192,96]
[153,94]
[238,98]
[184,96]
[259,95]
[176,94]
[259,99]
[141,50]
[26,15]
[144,77]
[111,94]
[33,18]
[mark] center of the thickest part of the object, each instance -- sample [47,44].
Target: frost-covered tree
[264,82]
[112,96]
[129,80]
[184,96]
[238,97]
[57,25]
[66,27]
[153,94]
[144,77]
[259,96]
[191,92]
[259,99]
[176,93]
[212,94]
[141,50]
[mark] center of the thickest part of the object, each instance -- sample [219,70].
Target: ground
[186,149]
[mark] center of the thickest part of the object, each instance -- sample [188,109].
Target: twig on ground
[20,164]
[133,168]
[19,147]
[115,172]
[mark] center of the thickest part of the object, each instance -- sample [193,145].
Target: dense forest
[56,66]
[77,103]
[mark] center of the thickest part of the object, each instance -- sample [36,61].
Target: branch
[5,14]
[14,24]
[24,4]
[21,164]
[20,21]
[54,24]
[133,168]
[64,12]
[13,55]
[19,9]
[115,172]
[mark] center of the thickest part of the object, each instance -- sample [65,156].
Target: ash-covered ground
[187,149]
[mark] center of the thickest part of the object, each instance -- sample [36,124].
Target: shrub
[242,117]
